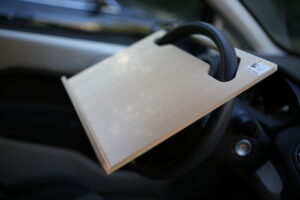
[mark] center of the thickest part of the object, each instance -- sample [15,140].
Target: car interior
[46,154]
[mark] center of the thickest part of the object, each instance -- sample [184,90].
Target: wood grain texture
[138,98]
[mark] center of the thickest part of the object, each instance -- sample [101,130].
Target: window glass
[280,19]
[99,18]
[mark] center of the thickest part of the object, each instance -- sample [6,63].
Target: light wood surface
[138,98]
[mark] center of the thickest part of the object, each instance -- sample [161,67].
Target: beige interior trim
[236,14]
[51,53]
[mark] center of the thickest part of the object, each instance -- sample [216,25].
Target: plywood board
[138,98]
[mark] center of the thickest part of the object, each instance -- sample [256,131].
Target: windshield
[178,10]
[280,19]
[116,21]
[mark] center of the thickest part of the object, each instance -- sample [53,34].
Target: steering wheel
[191,146]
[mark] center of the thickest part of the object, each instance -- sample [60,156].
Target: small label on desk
[258,68]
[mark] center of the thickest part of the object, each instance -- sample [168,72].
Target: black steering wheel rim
[149,165]
[229,61]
